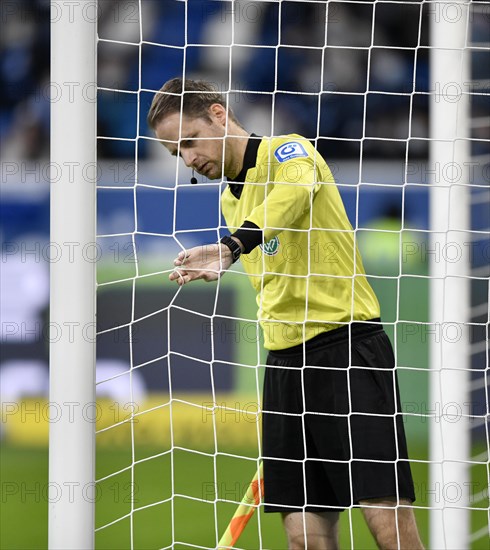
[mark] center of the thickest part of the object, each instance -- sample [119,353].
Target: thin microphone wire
[193,179]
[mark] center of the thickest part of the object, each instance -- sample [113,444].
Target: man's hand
[207,262]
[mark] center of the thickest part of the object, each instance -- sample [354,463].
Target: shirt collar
[249,161]
[250,157]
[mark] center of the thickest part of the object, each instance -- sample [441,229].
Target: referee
[333,434]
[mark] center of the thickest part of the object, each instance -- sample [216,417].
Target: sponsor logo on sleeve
[290,150]
[270,248]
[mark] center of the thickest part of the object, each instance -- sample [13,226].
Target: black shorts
[332,425]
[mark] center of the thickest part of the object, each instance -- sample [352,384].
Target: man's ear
[218,112]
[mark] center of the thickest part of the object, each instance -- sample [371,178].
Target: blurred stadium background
[396,265]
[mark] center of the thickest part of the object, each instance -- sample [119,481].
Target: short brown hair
[172,98]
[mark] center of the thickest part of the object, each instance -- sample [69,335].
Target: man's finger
[176,274]
[183,279]
[181,257]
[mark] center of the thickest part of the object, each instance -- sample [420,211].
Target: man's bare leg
[393,528]
[320,533]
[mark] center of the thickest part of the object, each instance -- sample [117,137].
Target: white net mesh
[179,372]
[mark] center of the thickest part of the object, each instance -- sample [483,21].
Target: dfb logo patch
[290,150]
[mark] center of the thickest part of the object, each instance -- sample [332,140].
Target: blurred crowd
[351,93]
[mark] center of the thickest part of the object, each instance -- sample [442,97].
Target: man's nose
[189,158]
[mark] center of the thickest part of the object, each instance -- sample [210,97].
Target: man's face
[203,155]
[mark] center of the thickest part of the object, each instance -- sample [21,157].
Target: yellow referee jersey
[308,272]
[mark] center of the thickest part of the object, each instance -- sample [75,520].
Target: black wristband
[234,247]
[250,235]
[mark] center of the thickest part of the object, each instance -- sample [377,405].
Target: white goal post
[72,398]
[72,298]
[449,294]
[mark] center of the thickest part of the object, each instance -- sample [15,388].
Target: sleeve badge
[290,150]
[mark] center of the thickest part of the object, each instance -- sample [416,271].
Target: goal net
[394,95]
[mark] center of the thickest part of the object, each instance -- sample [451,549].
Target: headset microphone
[193,179]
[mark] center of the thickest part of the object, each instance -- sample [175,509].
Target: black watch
[234,247]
